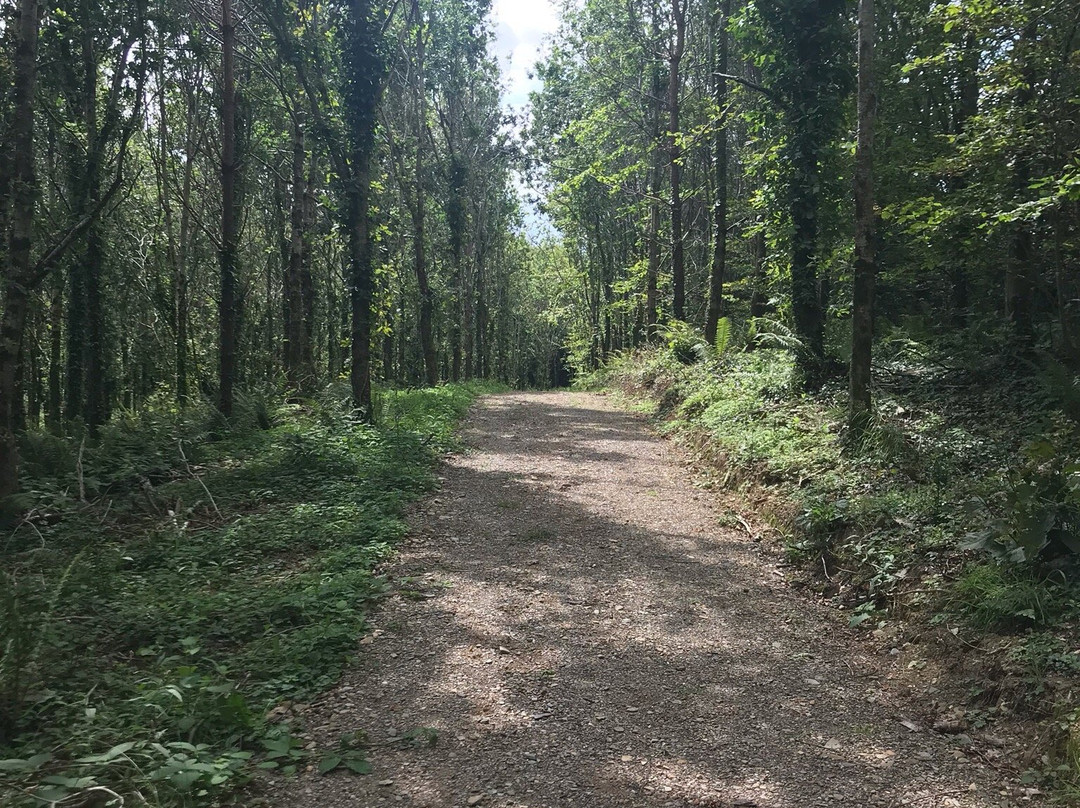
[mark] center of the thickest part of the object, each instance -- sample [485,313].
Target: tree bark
[1019,271]
[862,306]
[227,254]
[294,293]
[307,279]
[180,282]
[963,232]
[678,265]
[427,301]
[805,302]
[720,12]
[360,290]
[364,71]
[656,179]
[20,237]
[54,407]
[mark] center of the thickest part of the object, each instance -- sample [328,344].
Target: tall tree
[297,370]
[862,305]
[675,55]
[807,70]
[19,278]
[227,256]
[719,12]
[362,88]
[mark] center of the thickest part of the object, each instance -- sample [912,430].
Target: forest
[260,257]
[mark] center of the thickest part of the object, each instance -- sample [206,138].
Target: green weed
[148,630]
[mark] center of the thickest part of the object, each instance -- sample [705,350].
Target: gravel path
[583,632]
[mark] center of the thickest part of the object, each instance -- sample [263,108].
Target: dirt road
[584,632]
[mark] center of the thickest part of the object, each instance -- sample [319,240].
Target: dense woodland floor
[578,627]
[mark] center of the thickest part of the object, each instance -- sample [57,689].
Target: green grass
[161,620]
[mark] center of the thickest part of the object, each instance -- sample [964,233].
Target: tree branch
[751,85]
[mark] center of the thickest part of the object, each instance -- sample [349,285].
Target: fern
[774,334]
[686,343]
[723,335]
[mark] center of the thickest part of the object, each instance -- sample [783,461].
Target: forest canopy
[202,199]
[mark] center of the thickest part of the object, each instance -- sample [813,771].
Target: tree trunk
[967,108]
[805,303]
[862,305]
[307,280]
[54,407]
[32,365]
[228,251]
[456,219]
[294,293]
[180,283]
[678,266]
[90,270]
[1020,272]
[481,317]
[360,290]
[96,404]
[427,301]
[18,271]
[468,300]
[720,12]
[656,180]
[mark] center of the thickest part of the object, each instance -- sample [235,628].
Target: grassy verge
[207,572]
[957,512]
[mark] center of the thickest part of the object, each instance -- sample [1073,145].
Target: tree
[808,73]
[676,50]
[720,10]
[227,256]
[862,307]
[362,87]
[19,275]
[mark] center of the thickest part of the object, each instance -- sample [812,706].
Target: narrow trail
[589,635]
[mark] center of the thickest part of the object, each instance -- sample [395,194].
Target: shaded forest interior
[260,255]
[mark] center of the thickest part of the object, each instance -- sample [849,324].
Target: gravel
[579,629]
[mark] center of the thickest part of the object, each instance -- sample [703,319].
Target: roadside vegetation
[949,522]
[174,579]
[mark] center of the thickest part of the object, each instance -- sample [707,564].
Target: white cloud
[520,29]
[521,26]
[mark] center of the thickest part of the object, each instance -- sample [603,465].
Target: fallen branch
[198,479]
[79,470]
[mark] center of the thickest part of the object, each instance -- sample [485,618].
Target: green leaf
[109,756]
[184,780]
[723,334]
[358,766]
[329,763]
[858,619]
[75,783]
[18,765]
[37,760]
[50,794]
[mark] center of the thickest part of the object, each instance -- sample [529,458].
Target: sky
[520,27]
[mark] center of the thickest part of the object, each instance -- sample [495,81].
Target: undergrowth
[177,576]
[959,504]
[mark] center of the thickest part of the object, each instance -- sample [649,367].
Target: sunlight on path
[585,634]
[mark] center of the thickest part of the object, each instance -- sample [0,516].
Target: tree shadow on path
[589,635]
